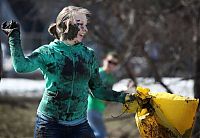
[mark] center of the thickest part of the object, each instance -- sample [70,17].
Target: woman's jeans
[51,129]
[96,122]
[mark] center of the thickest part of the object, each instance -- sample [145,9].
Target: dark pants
[51,129]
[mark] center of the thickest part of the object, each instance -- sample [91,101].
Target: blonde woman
[70,69]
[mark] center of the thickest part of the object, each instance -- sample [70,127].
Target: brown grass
[17,117]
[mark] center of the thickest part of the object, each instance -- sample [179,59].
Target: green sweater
[70,72]
[97,104]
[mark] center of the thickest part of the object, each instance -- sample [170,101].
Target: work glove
[9,27]
[130,97]
[131,103]
[140,95]
[139,98]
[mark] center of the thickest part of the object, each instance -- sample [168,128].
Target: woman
[70,70]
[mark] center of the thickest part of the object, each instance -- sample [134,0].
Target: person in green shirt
[96,107]
[70,71]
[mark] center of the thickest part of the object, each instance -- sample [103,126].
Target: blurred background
[158,42]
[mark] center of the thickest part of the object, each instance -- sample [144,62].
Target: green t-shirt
[94,103]
[69,72]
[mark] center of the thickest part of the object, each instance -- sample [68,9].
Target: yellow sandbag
[150,128]
[168,115]
[179,111]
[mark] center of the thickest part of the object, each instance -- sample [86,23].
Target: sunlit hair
[64,18]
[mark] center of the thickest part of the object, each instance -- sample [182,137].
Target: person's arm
[101,92]
[21,63]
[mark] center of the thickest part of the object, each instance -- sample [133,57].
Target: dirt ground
[17,117]
[17,120]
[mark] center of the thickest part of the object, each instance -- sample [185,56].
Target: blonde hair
[67,13]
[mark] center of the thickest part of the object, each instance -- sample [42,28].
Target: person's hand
[9,27]
[141,95]
[130,97]
[137,98]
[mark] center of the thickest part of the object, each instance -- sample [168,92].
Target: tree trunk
[197,54]
[1,54]
[1,60]
[197,78]
[131,74]
[155,71]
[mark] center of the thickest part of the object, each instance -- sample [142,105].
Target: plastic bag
[163,115]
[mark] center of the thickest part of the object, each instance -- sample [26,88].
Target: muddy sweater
[70,73]
[108,80]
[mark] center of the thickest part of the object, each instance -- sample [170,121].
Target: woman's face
[81,21]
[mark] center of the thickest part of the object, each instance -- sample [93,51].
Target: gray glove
[9,27]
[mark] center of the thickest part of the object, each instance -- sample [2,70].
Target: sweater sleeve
[21,63]
[100,91]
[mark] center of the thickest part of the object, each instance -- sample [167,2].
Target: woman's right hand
[9,27]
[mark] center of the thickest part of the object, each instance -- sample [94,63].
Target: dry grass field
[17,118]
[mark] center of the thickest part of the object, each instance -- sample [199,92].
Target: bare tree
[1,61]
